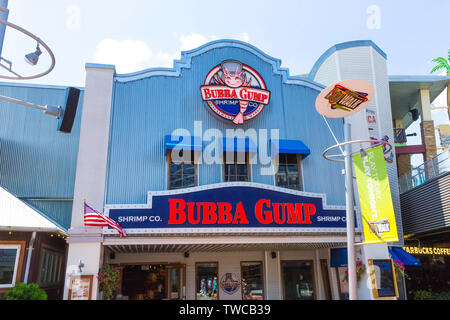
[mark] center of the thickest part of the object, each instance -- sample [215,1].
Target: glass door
[176,281]
[298,280]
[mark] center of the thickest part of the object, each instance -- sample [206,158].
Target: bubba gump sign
[232,206]
[235,91]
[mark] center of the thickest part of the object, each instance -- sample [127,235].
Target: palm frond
[438,67]
[440,60]
[442,63]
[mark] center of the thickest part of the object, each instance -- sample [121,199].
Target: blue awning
[239,145]
[403,256]
[289,146]
[338,257]
[185,143]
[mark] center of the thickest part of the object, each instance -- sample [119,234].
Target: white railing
[430,169]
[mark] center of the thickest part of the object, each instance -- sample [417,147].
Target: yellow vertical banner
[375,197]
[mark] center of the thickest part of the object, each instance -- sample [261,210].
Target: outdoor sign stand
[337,101]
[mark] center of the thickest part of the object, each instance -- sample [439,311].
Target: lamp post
[350,216]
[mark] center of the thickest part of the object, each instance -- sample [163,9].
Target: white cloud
[126,55]
[131,55]
[194,40]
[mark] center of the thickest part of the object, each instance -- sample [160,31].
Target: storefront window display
[9,257]
[252,281]
[207,281]
[298,280]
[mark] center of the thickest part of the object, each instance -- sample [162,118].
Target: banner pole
[350,217]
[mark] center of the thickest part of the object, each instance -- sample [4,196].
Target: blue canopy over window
[289,146]
[338,257]
[239,145]
[185,143]
[403,256]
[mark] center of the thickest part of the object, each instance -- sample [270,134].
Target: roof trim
[418,78]
[52,224]
[186,61]
[342,46]
[35,85]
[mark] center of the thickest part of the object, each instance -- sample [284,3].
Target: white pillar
[320,291]
[425,105]
[85,244]
[272,276]
[370,251]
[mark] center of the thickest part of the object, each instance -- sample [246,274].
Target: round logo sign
[229,283]
[344,98]
[235,91]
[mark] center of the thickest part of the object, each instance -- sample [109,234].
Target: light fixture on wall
[80,266]
[186,254]
[273,254]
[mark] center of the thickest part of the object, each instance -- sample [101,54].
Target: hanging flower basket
[360,270]
[400,269]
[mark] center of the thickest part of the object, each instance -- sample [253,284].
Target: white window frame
[18,248]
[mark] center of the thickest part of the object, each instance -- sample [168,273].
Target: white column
[85,244]
[272,276]
[320,291]
[370,251]
[425,105]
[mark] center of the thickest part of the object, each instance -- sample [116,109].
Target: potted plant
[360,270]
[23,291]
[108,281]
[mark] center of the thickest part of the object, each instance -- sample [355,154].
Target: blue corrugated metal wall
[147,109]
[37,161]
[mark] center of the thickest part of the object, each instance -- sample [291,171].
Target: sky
[138,34]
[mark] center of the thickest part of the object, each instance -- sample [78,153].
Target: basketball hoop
[40,42]
[339,145]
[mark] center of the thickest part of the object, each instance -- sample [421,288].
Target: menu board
[80,287]
[382,273]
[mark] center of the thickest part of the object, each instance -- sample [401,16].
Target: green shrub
[423,295]
[442,296]
[23,291]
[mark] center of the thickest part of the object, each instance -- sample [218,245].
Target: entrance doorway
[154,281]
[298,280]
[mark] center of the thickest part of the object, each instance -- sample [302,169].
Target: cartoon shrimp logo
[235,91]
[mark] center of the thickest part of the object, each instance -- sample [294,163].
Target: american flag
[93,218]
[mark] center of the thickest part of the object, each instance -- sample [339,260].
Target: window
[298,280]
[9,261]
[236,166]
[252,281]
[51,267]
[207,282]
[182,169]
[289,171]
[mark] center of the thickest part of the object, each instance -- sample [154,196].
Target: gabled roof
[19,216]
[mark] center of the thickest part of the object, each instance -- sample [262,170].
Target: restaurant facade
[214,170]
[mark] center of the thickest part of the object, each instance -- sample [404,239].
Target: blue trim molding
[342,46]
[186,59]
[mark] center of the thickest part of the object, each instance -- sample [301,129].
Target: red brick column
[428,139]
[403,164]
